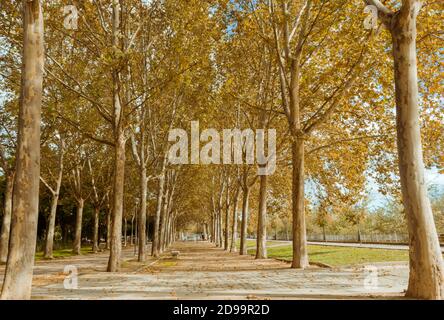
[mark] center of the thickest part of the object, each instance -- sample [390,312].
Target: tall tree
[426,278]
[18,276]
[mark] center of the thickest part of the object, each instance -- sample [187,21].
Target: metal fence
[365,238]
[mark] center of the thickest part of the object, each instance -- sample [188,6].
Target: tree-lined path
[205,272]
[125,122]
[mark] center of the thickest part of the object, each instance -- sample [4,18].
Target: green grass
[63,253]
[336,256]
[252,243]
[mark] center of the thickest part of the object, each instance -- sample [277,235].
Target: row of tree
[114,88]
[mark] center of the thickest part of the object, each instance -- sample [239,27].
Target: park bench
[175,254]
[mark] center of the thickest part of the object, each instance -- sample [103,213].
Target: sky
[377,200]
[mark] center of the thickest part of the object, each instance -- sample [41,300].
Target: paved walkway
[205,272]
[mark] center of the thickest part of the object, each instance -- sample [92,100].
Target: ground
[205,272]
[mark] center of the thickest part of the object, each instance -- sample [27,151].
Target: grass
[252,243]
[336,256]
[63,253]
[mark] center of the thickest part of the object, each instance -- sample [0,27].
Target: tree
[426,278]
[55,192]
[18,276]
[77,190]
[7,165]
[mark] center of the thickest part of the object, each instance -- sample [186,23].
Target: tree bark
[155,243]
[300,255]
[216,229]
[18,274]
[108,229]
[426,279]
[125,229]
[119,149]
[205,231]
[233,247]
[142,216]
[95,246]
[163,221]
[116,219]
[212,227]
[221,229]
[227,221]
[261,243]
[49,243]
[243,240]
[78,231]
[6,223]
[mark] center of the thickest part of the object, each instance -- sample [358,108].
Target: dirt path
[205,272]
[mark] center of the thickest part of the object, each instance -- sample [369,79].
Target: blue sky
[376,200]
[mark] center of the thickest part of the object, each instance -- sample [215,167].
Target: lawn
[63,253]
[336,256]
[252,243]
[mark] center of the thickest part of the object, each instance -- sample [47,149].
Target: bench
[175,254]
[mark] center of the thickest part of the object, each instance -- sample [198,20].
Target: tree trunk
[163,221]
[116,219]
[132,236]
[125,228]
[142,216]
[300,256]
[227,223]
[49,243]
[108,229]
[243,240]
[119,149]
[426,279]
[6,224]
[221,229]
[78,231]
[233,247]
[261,243]
[95,246]
[217,234]
[154,245]
[18,274]
[205,231]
